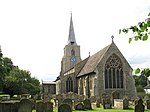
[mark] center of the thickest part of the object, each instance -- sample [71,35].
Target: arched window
[69,85]
[72,52]
[113,73]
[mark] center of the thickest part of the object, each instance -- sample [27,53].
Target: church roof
[71,37]
[93,61]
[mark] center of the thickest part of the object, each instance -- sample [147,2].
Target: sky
[33,33]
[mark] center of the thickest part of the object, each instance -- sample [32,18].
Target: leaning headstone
[79,106]
[139,107]
[69,102]
[148,104]
[64,108]
[25,105]
[87,104]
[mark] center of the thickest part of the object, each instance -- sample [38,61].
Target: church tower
[71,51]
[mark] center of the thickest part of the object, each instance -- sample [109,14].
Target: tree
[141,31]
[20,82]
[14,80]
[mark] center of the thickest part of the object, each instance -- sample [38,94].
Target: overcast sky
[33,33]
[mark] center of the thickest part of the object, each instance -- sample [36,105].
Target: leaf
[137,71]
[148,24]
[119,31]
[130,39]
[145,37]
[147,72]
[149,14]
[136,38]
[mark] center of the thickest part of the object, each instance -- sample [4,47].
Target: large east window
[113,72]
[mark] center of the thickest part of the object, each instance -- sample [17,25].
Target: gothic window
[72,52]
[113,73]
[69,85]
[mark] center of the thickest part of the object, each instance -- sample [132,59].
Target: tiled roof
[93,61]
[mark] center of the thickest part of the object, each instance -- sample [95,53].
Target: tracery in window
[113,72]
[69,85]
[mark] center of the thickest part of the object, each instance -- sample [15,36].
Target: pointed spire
[71,38]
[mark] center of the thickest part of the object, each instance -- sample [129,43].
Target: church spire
[71,38]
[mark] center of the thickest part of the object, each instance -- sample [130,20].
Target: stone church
[107,71]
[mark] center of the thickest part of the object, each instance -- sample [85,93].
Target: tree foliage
[140,82]
[141,30]
[14,80]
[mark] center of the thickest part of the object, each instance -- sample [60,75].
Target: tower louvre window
[113,73]
[72,52]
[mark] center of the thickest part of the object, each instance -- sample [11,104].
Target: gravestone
[15,107]
[39,107]
[79,106]
[25,105]
[64,108]
[106,101]
[81,98]
[25,96]
[98,103]
[121,103]
[125,103]
[5,98]
[139,107]
[46,98]
[93,99]
[6,107]
[59,97]
[76,99]
[69,102]
[87,104]
[48,107]
[148,104]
